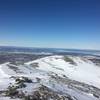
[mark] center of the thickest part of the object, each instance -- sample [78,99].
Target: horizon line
[12,46]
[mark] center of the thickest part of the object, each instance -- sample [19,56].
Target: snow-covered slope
[51,78]
[83,70]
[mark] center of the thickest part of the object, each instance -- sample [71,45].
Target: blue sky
[50,23]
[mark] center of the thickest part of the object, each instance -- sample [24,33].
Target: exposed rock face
[41,93]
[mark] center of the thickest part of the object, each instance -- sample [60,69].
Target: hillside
[54,77]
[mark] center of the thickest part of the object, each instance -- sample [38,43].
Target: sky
[50,23]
